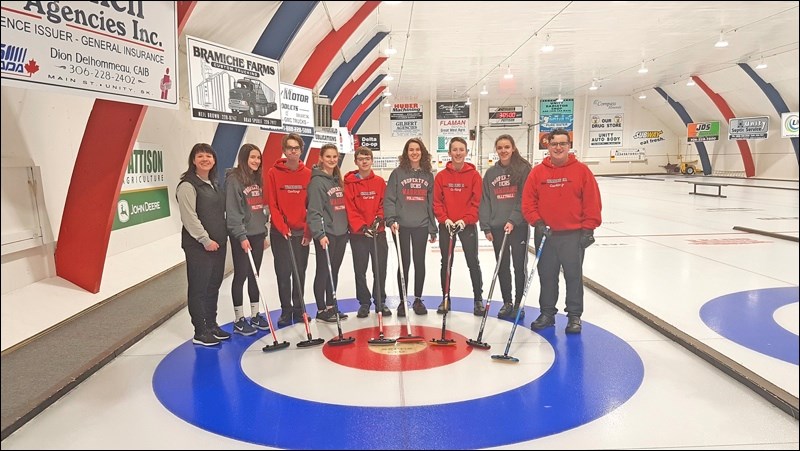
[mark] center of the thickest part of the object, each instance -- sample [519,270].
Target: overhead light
[722,43]
[642,96]
[387,94]
[508,75]
[547,47]
[468,102]
[390,50]
[593,87]
[389,76]
[761,64]
[643,69]
[690,82]
[484,91]
[387,104]
[559,99]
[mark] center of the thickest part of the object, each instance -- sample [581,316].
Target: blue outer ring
[746,318]
[592,374]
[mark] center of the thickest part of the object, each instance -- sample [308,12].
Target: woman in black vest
[203,237]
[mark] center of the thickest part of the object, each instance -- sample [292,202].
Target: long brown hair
[242,171]
[424,162]
[337,173]
[201,148]
[518,166]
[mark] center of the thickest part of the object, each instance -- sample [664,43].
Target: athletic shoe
[259,322]
[441,308]
[521,314]
[219,333]
[573,325]
[286,319]
[363,311]
[342,315]
[205,339]
[326,315]
[543,321]
[297,314]
[506,311]
[401,310]
[478,308]
[419,307]
[242,327]
[385,310]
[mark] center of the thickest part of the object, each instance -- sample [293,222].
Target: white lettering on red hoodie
[457,194]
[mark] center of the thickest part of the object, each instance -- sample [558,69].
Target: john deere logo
[123,211]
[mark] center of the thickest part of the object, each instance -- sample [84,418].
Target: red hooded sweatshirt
[457,194]
[564,197]
[286,193]
[364,200]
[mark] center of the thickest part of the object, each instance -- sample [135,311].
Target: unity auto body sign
[121,51]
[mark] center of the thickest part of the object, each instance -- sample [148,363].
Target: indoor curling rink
[618,384]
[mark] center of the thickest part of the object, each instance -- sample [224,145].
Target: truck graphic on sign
[252,97]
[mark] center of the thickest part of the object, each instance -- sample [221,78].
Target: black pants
[416,238]
[516,250]
[290,291]
[242,270]
[363,249]
[562,250]
[469,242]
[204,271]
[323,291]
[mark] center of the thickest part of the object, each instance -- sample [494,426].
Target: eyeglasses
[565,144]
[359,159]
[293,148]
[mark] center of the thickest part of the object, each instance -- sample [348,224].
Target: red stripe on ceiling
[349,91]
[727,113]
[101,163]
[328,48]
[363,107]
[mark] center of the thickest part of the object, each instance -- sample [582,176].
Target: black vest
[210,207]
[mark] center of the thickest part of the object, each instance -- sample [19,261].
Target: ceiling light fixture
[761,64]
[508,75]
[559,99]
[642,96]
[389,76]
[390,50]
[468,102]
[594,86]
[722,43]
[387,94]
[484,91]
[643,69]
[547,47]
[690,82]
[387,104]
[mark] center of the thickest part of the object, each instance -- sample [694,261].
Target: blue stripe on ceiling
[353,105]
[346,69]
[366,114]
[684,115]
[774,98]
[273,43]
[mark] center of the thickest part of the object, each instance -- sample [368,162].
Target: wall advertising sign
[789,125]
[226,85]
[144,196]
[554,114]
[451,128]
[406,119]
[628,155]
[605,139]
[600,122]
[748,128]
[505,115]
[373,141]
[120,51]
[298,111]
[702,131]
[452,110]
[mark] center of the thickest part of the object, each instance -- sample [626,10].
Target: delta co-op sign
[144,196]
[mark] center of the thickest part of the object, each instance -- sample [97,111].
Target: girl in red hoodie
[456,198]
[287,182]
[363,195]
